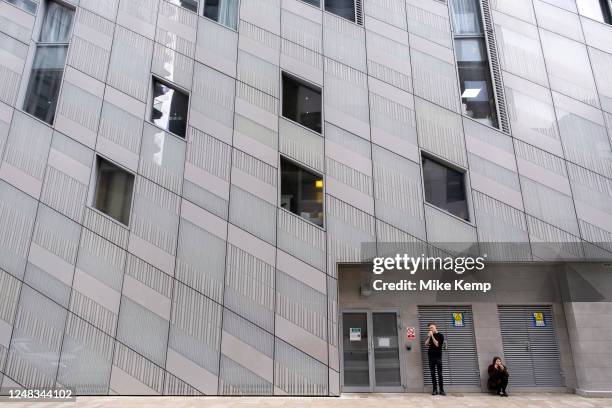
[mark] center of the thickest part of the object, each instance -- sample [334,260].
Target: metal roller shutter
[531,352]
[460,363]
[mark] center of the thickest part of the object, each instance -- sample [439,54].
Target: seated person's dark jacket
[496,376]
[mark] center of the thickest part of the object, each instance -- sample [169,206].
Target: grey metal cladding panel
[301,305]
[347,227]
[201,260]
[107,8]
[176,28]
[390,11]
[10,288]
[138,367]
[17,213]
[427,24]
[143,331]
[60,236]
[301,239]
[91,43]
[253,214]
[301,30]
[129,63]
[86,358]
[165,169]
[36,342]
[398,192]
[195,327]
[175,386]
[344,41]
[601,62]
[172,65]
[441,132]
[248,333]
[14,56]
[249,287]
[235,379]
[101,259]
[155,215]
[460,362]
[296,373]
[28,155]
[258,73]
[531,351]
[47,284]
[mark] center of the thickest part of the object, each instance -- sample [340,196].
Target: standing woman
[498,377]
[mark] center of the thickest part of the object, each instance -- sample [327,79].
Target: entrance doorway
[459,359]
[370,352]
[530,346]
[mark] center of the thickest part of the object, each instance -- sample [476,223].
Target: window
[315,3]
[222,11]
[477,95]
[600,10]
[113,194]
[191,5]
[27,5]
[48,67]
[342,8]
[445,188]
[169,108]
[301,192]
[302,103]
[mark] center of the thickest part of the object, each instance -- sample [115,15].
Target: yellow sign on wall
[458,319]
[538,319]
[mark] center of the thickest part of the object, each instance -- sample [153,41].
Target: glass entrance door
[387,376]
[356,352]
[370,352]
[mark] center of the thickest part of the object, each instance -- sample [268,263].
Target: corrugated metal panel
[459,360]
[531,353]
[359,12]
[498,86]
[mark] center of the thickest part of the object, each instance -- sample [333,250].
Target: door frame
[371,360]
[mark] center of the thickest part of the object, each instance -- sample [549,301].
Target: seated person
[498,377]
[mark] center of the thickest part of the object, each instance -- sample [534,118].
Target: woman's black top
[496,376]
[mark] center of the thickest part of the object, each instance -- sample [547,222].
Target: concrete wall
[522,285]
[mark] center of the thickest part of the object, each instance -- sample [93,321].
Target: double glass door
[370,353]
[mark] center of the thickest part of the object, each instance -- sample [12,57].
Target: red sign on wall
[410,333]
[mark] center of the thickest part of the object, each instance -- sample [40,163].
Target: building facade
[187,185]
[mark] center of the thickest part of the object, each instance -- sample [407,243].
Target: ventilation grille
[359,12]
[498,86]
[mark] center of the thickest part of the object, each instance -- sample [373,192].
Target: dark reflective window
[46,76]
[477,97]
[169,108]
[301,192]
[27,5]
[114,187]
[475,80]
[302,103]
[315,3]
[222,11]
[191,5]
[342,8]
[445,188]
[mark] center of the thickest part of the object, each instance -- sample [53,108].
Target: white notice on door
[384,342]
[355,334]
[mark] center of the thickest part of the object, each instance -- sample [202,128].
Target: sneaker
[504,394]
[434,392]
[442,392]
